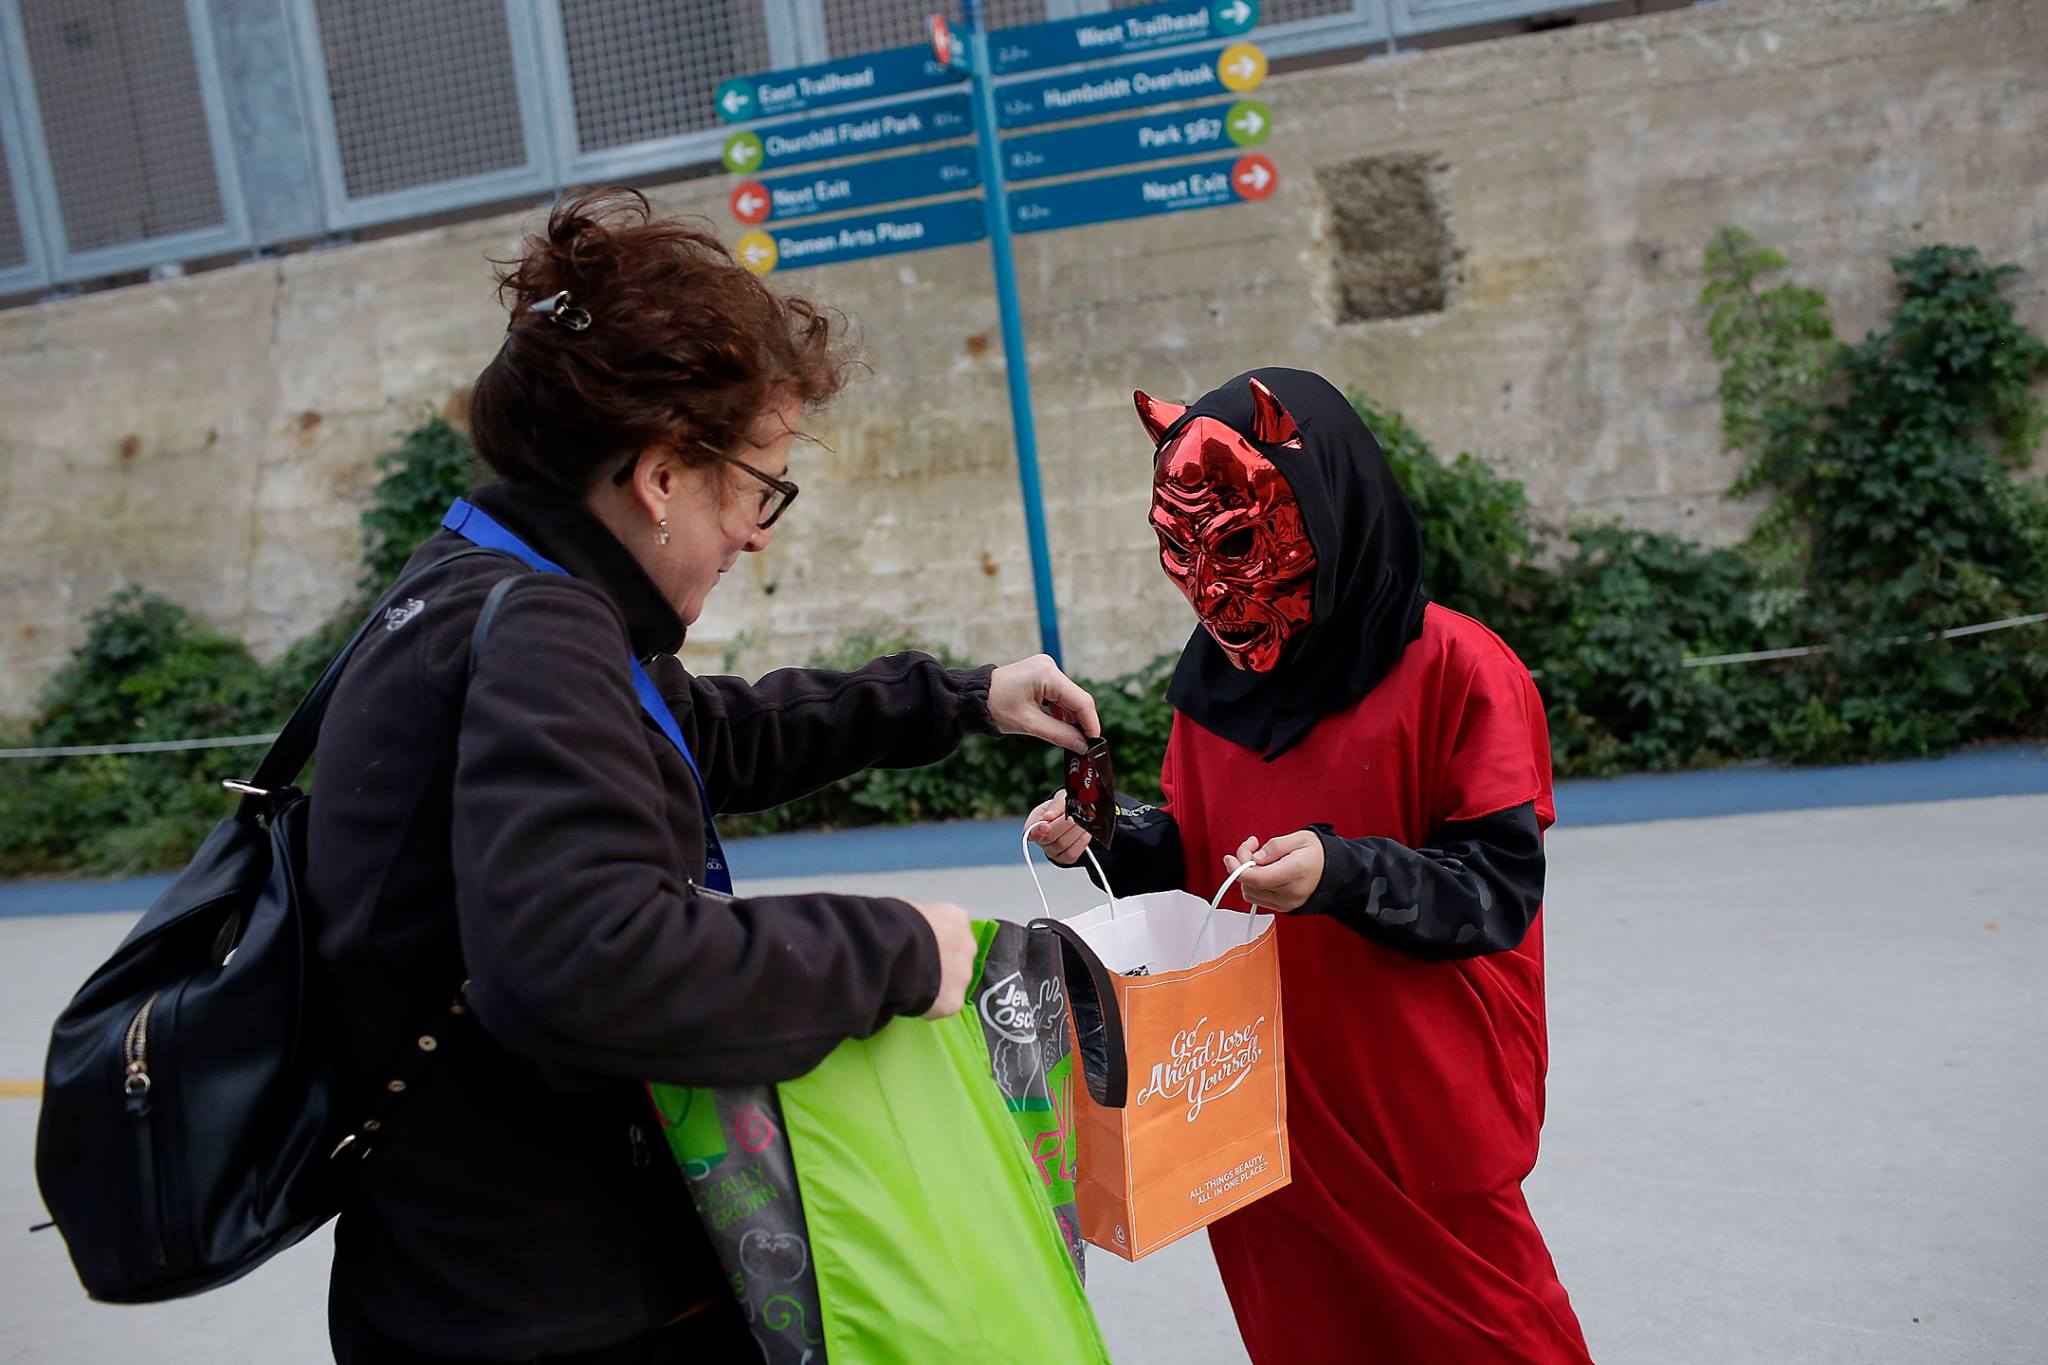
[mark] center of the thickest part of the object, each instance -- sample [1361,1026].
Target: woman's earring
[661,531]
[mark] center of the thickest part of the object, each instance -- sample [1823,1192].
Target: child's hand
[1285,872]
[1055,831]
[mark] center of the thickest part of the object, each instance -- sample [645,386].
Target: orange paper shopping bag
[1175,1007]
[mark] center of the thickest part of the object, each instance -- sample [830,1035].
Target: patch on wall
[1391,251]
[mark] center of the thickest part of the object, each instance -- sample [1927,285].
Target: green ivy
[433,466]
[149,669]
[1899,506]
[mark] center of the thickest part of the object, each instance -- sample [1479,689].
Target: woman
[1403,749]
[499,812]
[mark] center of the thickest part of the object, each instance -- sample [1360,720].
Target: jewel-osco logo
[1008,1009]
[1205,1064]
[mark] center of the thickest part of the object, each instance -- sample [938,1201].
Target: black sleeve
[1474,888]
[799,729]
[1145,855]
[587,947]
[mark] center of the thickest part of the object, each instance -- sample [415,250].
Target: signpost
[948,223]
[1133,85]
[1131,141]
[1196,52]
[1173,189]
[895,71]
[917,176]
[1121,34]
[837,135]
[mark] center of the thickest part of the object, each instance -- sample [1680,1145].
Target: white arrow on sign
[734,102]
[750,202]
[1237,12]
[1250,122]
[755,253]
[1258,177]
[1244,68]
[743,153]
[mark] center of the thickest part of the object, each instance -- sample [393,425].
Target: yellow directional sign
[1242,66]
[757,252]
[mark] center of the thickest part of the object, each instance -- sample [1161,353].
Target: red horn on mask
[1271,423]
[1156,415]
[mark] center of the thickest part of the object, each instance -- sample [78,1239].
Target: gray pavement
[1796,1105]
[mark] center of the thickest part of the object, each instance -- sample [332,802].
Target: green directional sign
[1248,122]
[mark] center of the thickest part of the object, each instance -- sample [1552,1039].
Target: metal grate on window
[855,26]
[1273,12]
[423,92]
[124,123]
[646,69]
[13,247]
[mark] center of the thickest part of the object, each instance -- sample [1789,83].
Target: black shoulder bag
[193,1124]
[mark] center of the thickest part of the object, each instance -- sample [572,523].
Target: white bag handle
[1031,864]
[1251,924]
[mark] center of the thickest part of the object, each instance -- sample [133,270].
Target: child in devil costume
[1399,751]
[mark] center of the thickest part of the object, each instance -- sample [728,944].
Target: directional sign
[1243,67]
[1121,34]
[1133,85]
[917,176]
[1131,141]
[835,135]
[946,223]
[947,49]
[771,94]
[1170,189]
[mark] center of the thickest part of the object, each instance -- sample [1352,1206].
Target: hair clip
[560,311]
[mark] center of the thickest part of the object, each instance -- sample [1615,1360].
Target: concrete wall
[213,436]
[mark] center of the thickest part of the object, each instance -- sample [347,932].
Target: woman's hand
[1032,697]
[1053,830]
[1285,871]
[957,950]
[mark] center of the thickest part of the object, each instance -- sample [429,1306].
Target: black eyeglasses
[781,492]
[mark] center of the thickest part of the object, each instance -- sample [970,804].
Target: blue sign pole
[1016,363]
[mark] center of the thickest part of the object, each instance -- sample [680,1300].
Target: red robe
[1414,1088]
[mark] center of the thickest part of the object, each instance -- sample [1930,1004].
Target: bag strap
[1098,1021]
[293,748]
[362,1139]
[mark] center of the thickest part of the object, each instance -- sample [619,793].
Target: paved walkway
[1795,1116]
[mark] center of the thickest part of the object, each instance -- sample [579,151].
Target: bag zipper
[135,1085]
[135,1055]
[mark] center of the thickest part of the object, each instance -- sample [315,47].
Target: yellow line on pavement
[21,1090]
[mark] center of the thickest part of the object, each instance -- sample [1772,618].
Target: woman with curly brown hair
[517,779]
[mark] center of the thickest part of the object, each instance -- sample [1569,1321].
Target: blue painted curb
[1580,804]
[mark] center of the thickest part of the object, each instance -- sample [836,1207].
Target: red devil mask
[1230,530]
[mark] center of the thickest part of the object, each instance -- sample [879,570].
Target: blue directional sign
[1123,33]
[830,136]
[1132,85]
[1125,142]
[771,94]
[1170,189]
[946,223]
[806,194]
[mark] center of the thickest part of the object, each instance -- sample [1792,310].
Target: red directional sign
[750,202]
[945,43]
[1253,176]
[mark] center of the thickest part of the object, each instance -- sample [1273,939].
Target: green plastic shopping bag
[889,1206]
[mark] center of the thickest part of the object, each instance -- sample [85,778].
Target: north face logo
[403,612]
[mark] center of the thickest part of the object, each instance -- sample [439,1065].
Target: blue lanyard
[475,525]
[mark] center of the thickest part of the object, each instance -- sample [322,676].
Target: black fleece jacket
[514,821]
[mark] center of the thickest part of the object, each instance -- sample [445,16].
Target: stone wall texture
[214,437]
